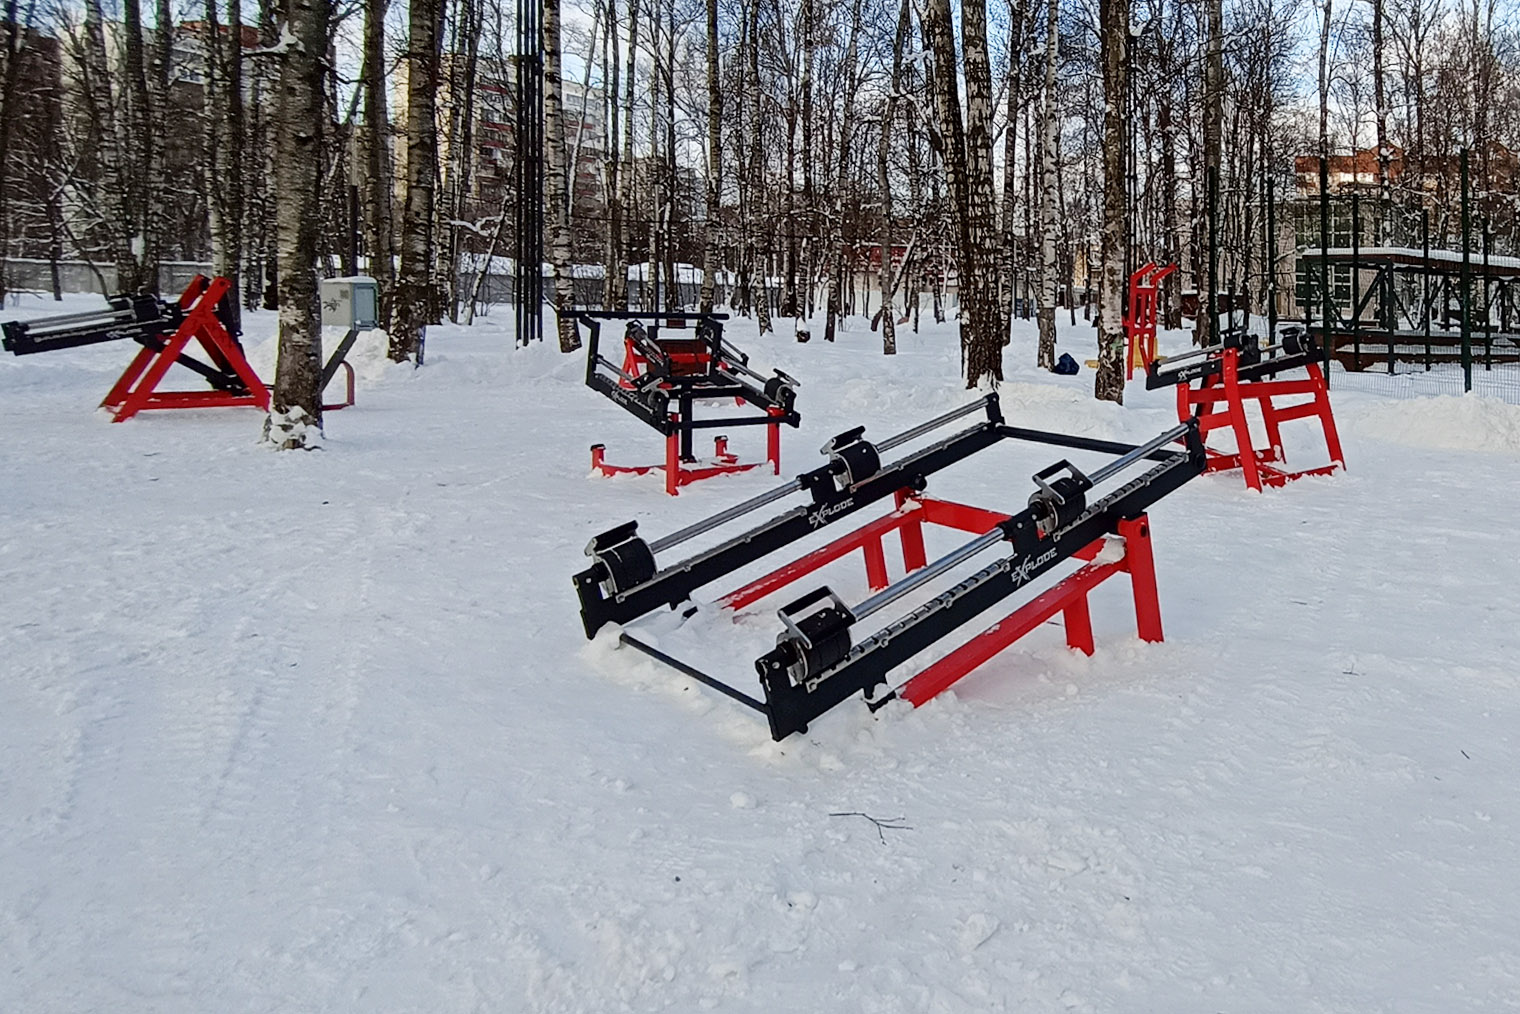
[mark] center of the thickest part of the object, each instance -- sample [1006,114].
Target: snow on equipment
[662,378]
[1239,370]
[826,651]
[165,331]
[1140,316]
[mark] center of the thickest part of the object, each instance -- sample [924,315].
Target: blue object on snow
[1066,366]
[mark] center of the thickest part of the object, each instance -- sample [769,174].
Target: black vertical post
[351,265]
[1271,260]
[1425,279]
[528,169]
[1327,304]
[1356,281]
[1466,282]
[1488,316]
[1213,301]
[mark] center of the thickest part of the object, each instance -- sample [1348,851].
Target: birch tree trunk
[1050,141]
[761,286]
[295,416]
[379,237]
[966,152]
[1011,239]
[222,171]
[414,289]
[832,308]
[714,159]
[615,284]
[884,185]
[1213,126]
[557,182]
[1108,384]
[626,183]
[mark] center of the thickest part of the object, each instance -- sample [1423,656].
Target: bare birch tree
[1050,143]
[295,415]
[1108,383]
[415,299]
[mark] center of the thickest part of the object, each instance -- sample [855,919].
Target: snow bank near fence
[1447,422]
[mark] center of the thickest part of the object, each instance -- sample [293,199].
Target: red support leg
[1238,423]
[876,564]
[1141,564]
[1326,417]
[118,392]
[1078,619]
[673,464]
[773,446]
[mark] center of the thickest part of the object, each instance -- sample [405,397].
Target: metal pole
[1425,279]
[1356,281]
[1466,283]
[780,492]
[935,423]
[1327,306]
[892,593]
[1488,327]
[1271,254]
[1130,457]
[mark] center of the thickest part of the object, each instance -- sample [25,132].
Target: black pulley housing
[626,560]
[782,393]
[812,641]
[1060,499]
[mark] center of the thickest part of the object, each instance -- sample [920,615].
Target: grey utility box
[352,302]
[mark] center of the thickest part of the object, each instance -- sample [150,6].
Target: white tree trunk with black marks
[295,416]
[415,298]
[1050,143]
[1108,384]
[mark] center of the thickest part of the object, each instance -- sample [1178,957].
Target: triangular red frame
[136,389]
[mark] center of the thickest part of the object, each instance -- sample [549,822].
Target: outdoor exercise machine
[200,319]
[662,378]
[822,656]
[1140,316]
[1214,383]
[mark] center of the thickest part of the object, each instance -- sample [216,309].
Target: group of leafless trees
[807,157]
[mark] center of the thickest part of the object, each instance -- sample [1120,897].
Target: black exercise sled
[822,654]
[664,376]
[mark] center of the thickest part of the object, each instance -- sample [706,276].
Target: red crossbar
[1227,389]
[136,389]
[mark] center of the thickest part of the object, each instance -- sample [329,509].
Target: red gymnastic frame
[136,390]
[1220,400]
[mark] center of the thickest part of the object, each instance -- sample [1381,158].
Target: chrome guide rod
[922,428]
[892,593]
[723,517]
[1125,460]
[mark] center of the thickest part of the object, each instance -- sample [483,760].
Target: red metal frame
[136,389]
[348,398]
[677,475]
[1140,316]
[1068,597]
[1259,466]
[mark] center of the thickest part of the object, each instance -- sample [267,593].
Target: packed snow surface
[321,732]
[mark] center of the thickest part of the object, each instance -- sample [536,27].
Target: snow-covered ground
[320,732]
